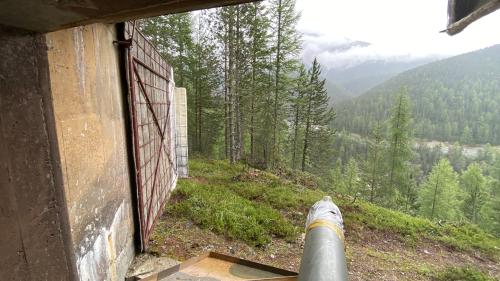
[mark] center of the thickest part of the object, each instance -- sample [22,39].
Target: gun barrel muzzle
[324,257]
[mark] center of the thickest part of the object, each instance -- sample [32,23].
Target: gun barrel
[324,257]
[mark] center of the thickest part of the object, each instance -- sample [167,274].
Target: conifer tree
[297,101]
[438,196]
[336,177]
[227,33]
[374,166]
[286,46]
[259,84]
[352,180]
[490,212]
[456,157]
[399,152]
[473,183]
[204,103]
[172,36]
[317,114]
[410,195]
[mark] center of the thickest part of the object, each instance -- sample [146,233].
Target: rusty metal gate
[151,108]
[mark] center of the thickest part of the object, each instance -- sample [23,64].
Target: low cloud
[346,33]
[345,53]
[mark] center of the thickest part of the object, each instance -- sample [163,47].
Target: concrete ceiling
[50,15]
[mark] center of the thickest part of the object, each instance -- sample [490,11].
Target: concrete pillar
[34,239]
[89,109]
[181,133]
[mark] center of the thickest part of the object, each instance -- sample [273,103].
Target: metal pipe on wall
[324,257]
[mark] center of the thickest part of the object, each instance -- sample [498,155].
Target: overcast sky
[395,30]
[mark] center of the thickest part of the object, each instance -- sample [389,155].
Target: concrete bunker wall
[90,125]
[67,205]
[34,240]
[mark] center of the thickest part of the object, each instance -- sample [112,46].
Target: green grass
[462,237]
[461,274]
[215,206]
[254,206]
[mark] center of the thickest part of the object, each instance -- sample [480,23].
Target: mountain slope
[354,81]
[260,216]
[336,93]
[455,99]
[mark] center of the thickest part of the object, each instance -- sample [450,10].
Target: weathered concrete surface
[145,265]
[89,117]
[53,15]
[34,235]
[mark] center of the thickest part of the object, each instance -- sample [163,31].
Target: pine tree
[317,114]
[438,196]
[473,183]
[374,167]
[172,36]
[456,157]
[286,47]
[336,177]
[259,52]
[297,101]
[321,151]
[399,152]
[491,210]
[203,99]
[352,180]
[410,195]
[228,20]
[466,137]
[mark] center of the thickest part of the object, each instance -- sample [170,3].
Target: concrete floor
[146,264]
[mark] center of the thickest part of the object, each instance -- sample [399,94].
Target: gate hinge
[125,43]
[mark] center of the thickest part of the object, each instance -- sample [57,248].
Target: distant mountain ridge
[344,83]
[454,99]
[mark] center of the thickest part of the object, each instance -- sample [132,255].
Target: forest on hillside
[455,99]
[251,99]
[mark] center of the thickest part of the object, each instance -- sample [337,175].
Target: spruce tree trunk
[275,147]
[226,95]
[474,199]
[231,90]
[181,61]
[407,196]
[237,88]
[435,195]
[253,93]
[374,173]
[197,115]
[395,145]
[306,134]
[295,135]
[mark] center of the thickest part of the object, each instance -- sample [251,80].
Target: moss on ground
[253,206]
[222,211]
[466,237]
[465,273]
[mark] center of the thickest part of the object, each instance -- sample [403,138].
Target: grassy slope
[260,208]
